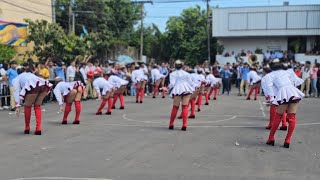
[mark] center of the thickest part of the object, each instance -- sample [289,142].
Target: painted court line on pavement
[58,178]
[262,109]
[150,122]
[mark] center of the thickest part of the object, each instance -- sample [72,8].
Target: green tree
[6,53]
[112,21]
[187,36]
[50,40]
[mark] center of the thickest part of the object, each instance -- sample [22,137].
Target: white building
[267,28]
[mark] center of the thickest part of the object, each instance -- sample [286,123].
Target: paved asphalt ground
[225,142]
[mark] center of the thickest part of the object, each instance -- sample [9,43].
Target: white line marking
[147,122]
[190,121]
[262,109]
[200,126]
[58,178]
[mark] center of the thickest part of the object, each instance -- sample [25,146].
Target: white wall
[252,43]
[304,58]
[223,60]
[266,21]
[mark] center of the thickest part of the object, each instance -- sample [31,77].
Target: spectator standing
[314,78]
[267,55]
[239,68]
[318,74]
[71,72]
[306,75]
[244,85]
[85,78]
[11,74]
[4,87]
[243,53]
[52,71]
[225,74]
[43,71]
[60,71]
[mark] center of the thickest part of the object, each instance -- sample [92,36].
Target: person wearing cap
[280,89]
[120,85]
[32,89]
[69,92]
[11,75]
[157,80]
[181,87]
[105,90]
[254,80]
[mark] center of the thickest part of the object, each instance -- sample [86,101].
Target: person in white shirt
[105,90]
[306,75]
[254,81]
[267,55]
[181,87]
[71,71]
[69,92]
[157,80]
[32,89]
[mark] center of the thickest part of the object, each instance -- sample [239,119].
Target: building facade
[272,28]
[17,10]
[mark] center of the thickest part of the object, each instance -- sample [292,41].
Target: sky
[159,12]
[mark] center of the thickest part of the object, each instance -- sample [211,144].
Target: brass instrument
[253,59]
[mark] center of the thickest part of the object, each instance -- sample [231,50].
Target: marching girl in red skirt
[33,90]
[216,87]
[120,86]
[139,79]
[279,87]
[195,78]
[105,90]
[181,88]
[211,81]
[202,79]
[68,93]
[157,80]
[254,80]
[273,110]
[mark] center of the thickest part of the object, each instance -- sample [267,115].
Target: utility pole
[208,31]
[53,4]
[141,26]
[70,16]
[74,18]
